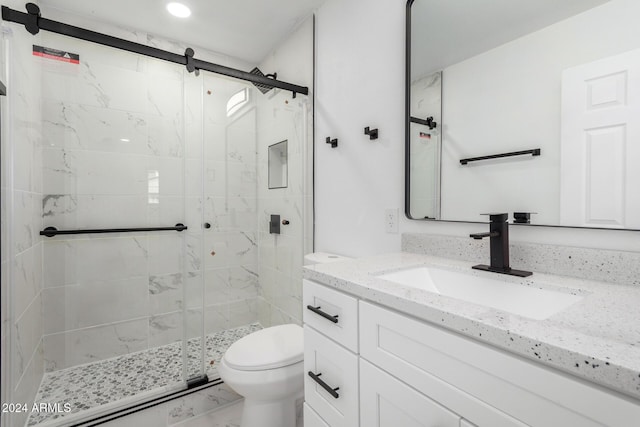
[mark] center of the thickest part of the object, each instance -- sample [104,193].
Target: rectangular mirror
[278,169]
[555,80]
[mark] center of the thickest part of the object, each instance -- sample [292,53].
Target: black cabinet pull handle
[327,387]
[327,316]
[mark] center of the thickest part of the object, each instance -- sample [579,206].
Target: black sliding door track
[33,22]
[102,419]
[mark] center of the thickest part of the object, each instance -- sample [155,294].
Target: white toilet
[266,367]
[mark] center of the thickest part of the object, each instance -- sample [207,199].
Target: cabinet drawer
[335,368]
[387,402]
[311,419]
[482,383]
[331,312]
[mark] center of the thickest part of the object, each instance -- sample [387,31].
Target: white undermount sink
[526,301]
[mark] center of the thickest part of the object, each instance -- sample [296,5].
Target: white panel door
[387,402]
[600,143]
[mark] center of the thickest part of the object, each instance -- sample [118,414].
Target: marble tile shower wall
[120,133]
[283,117]
[112,125]
[112,157]
[22,322]
[281,255]
[221,191]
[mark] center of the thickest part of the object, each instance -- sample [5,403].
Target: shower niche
[278,165]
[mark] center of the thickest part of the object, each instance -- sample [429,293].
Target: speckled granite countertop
[597,338]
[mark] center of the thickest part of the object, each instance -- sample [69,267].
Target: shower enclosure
[136,214]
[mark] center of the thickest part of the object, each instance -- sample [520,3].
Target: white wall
[360,82]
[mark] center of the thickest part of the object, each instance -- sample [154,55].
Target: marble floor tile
[229,416]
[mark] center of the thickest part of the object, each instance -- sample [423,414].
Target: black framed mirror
[523,107]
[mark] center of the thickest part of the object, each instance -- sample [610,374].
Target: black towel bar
[52,231]
[533,152]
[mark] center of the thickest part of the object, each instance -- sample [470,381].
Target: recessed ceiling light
[179,10]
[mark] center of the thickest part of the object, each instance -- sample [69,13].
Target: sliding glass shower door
[128,143]
[221,191]
[115,302]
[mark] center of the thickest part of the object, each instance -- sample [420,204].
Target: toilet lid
[267,348]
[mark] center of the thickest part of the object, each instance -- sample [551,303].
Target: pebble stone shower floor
[98,383]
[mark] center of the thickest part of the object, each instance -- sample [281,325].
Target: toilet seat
[269,348]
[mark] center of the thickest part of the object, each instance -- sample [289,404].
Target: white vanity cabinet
[483,384]
[330,357]
[311,418]
[387,402]
[409,372]
[331,379]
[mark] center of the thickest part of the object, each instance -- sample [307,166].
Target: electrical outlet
[391,220]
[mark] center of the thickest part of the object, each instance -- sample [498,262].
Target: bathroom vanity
[389,343]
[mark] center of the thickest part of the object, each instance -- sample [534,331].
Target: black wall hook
[373,133]
[333,142]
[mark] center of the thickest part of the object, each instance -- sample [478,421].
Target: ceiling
[445,32]
[244,29]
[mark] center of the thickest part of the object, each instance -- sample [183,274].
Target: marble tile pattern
[286,118]
[426,101]
[99,383]
[229,416]
[214,402]
[119,151]
[86,139]
[586,263]
[281,256]
[596,338]
[21,356]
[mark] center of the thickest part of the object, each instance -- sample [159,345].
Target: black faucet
[499,246]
